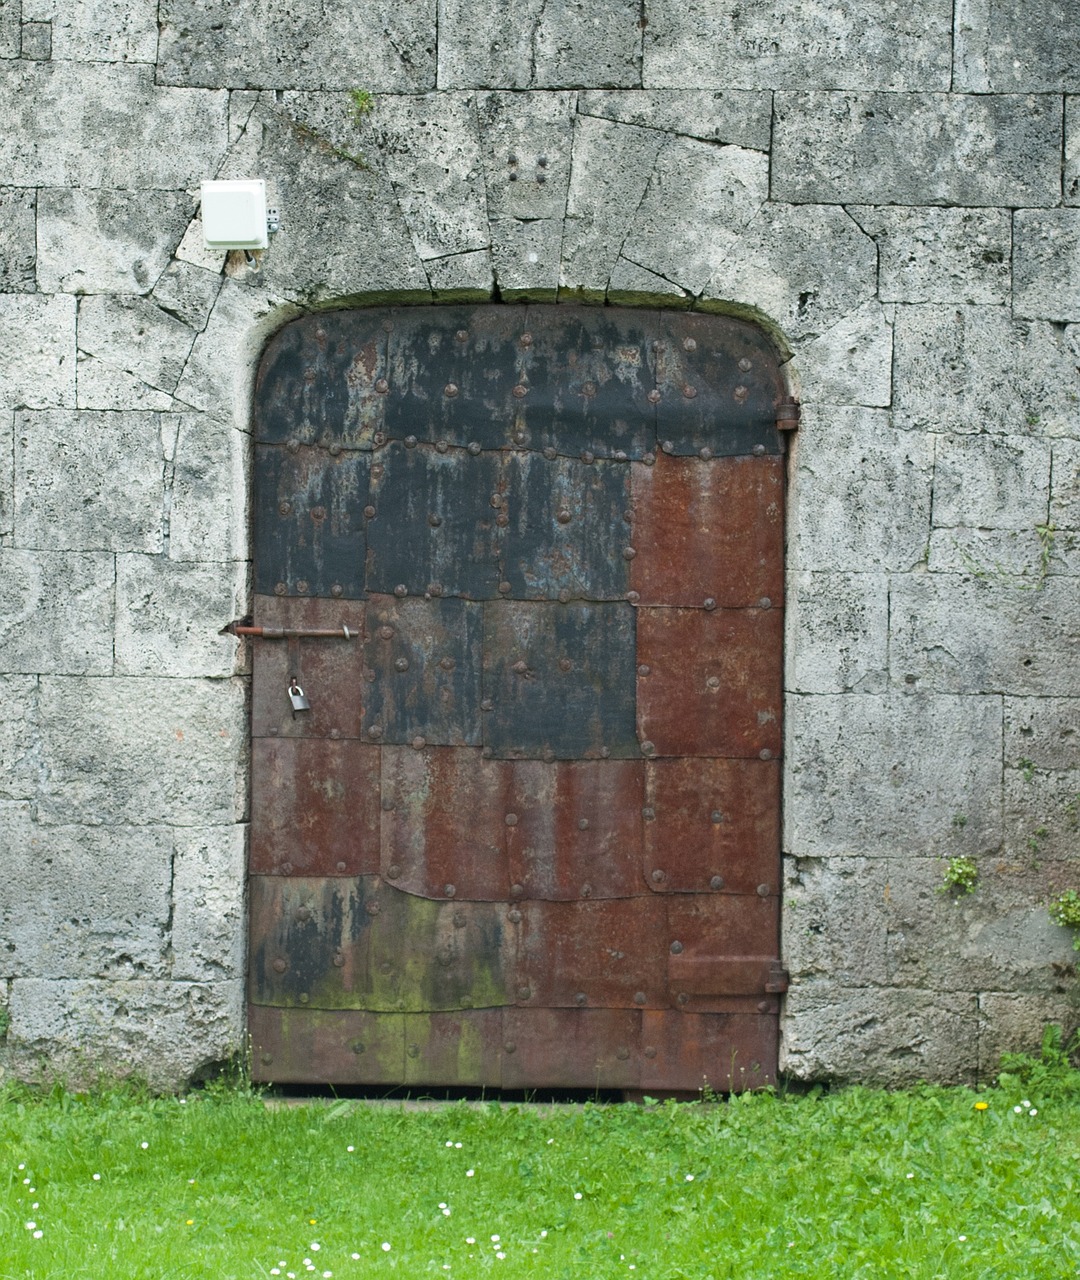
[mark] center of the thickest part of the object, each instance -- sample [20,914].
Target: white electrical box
[234,214]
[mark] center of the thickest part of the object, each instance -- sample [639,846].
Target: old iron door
[526,833]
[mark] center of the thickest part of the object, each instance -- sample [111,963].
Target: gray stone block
[104,386]
[525,258]
[970,369]
[99,895]
[19,753]
[861,493]
[77,1029]
[56,612]
[805,267]
[833,923]
[461,277]
[1044,731]
[1020,558]
[837,632]
[63,119]
[97,241]
[851,363]
[979,635]
[18,240]
[631,285]
[89,481]
[1046,264]
[187,293]
[37,41]
[98,30]
[1014,1023]
[539,44]
[1065,485]
[208,920]
[940,255]
[386,47]
[879,1035]
[916,149]
[7,474]
[765,44]
[527,142]
[1071,175]
[135,339]
[130,751]
[37,351]
[169,614]
[741,119]
[699,198]
[1006,46]
[208,508]
[885,775]
[1042,828]
[9,28]
[991,481]
[612,164]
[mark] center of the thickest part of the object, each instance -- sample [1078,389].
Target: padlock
[298,698]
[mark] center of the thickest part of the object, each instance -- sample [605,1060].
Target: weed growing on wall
[959,877]
[1065,911]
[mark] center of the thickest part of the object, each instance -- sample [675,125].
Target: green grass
[848,1183]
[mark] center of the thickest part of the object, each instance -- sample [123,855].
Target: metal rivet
[633,597]
[717,882]
[683,998]
[648,813]
[650,1052]
[520,391]
[274,731]
[588,389]
[401,590]
[647,748]
[372,908]
[502,519]
[649,459]
[668,446]
[619,455]
[588,457]
[517,891]
[375,731]
[462,335]
[586,890]
[460,920]
[486,704]
[629,553]
[520,435]
[713,682]
[689,392]
[413,1051]
[379,438]
[676,948]
[337,590]
[340,866]
[521,667]
[450,890]
[339,960]
[303,915]
[644,669]
[473,447]
[708,603]
[550,452]
[511,819]
[763,890]
[548,755]
[564,596]
[419,743]
[382,386]
[280,966]
[267,1059]
[369,513]
[746,365]
[583,824]
[523,993]
[658,876]
[410,442]
[393,871]
[509,1046]
[514,916]
[622,1054]
[286,868]
[334,449]
[302,585]
[293,445]
[689,344]
[763,1006]
[377,470]
[488,753]
[434,521]
[758,450]
[705,453]
[450,390]
[764,754]
[653,397]
[386,632]
[387,804]
[318,514]
[435,589]
[335,734]
[639,997]
[402,664]
[563,516]
[565,664]
[303,997]
[741,393]
[284,508]
[447,664]
[497,500]
[764,603]
[279,588]
[716,816]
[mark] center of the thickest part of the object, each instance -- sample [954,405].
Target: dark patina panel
[581,1048]
[347,1046]
[721,1052]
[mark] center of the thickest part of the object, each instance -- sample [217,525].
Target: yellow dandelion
[981,1106]
[190,1222]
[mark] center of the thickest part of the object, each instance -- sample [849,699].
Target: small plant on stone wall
[360,104]
[960,877]
[1065,911]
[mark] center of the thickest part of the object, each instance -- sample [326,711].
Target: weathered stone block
[1005,46]
[991,481]
[164,1032]
[63,119]
[141,752]
[9,28]
[1014,1023]
[631,285]
[916,149]
[37,42]
[968,369]
[386,47]
[1042,825]
[834,920]
[539,44]
[7,474]
[1019,558]
[769,45]
[208,512]
[137,350]
[940,255]
[169,615]
[104,386]
[978,635]
[837,632]
[90,481]
[804,267]
[879,1035]
[1046,264]
[699,197]
[525,258]
[18,242]
[1072,151]
[1044,731]
[18,737]
[461,277]
[187,292]
[98,30]
[208,904]
[96,241]
[861,493]
[1065,485]
[56,612]
[741,119]
[100,898]
[37,351]
[859,784]
[851,363]
[527,141]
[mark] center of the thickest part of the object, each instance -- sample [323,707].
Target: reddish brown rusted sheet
[721,947]
[444,823]
[576,831]
[722,1052]
[461,1048]
[331,672]
[709,682]
[348,1046]
[575,1048]
[711,825]
[708,530]
[314,807]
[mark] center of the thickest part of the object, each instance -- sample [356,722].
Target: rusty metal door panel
[309,525]
[330,671]
[595,954]
[423,671]
[710,682]
[711,825]
[576,831]
[565,535]
[689,1051]
[320,381]
[708,531]
[720,386]
[434,522]
[580,1048]
[559,680]
[348,1046]
[444,822]
[314,807]
[723,947]
[460,1048]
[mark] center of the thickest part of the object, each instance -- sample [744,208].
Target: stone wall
[893,190]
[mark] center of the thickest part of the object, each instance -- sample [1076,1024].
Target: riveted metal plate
[314,807]
[460,1048]
[712,682]
[714,825]
[423,671]
[573,1048]
[444,823]
[724,1052]
[559,678]
[708,530]
[433,524]
[349,1046]
[330,671]
[317,381]
[721,947]
[577,832]
[719,383]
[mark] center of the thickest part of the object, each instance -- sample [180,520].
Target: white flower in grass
[442,1204]
[97,1177]
[1025,1102]
[446,1213]
[457,1146]
[500,1255]
[689,1177]
[327,1275]
[470,1173]
[145,1145]
[494,1239]
[21,1167]
[35,1205]
[275,1271]
[961,1237]
[386,1246]
[30,1226]
[350,1150]
[26,1182]
[577,1195]
[470,1239]
[543,1235]
[314,1247]
[32,1190]
[1034,1111]
[290,1275]
[38,1234]
[1018,1110]
[449,1143]
[355,1257]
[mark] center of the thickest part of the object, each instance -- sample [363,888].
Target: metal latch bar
[293,633]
